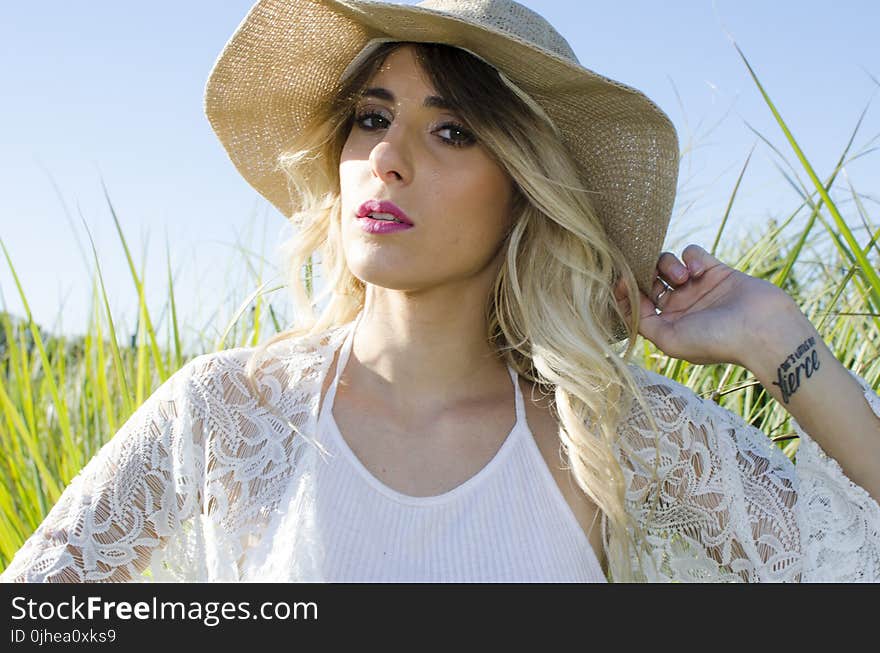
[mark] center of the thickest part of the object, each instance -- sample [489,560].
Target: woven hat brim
[287,56]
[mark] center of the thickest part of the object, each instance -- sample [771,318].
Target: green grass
[62,398]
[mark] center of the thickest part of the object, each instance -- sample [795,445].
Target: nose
[390,158]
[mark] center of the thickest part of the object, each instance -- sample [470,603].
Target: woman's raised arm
[726,493]
[712,313]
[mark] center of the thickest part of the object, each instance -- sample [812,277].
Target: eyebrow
[430,102]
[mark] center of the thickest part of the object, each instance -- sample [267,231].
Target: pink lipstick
[382,217]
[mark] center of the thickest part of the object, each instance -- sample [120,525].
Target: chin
[383,277]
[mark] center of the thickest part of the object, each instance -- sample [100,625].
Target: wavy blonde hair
[552,314]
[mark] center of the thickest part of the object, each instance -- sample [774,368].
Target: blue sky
[113,91]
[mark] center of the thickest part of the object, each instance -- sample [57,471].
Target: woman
[487,212]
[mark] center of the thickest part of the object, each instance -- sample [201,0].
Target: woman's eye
[450,133]
[371,120]
[458,135]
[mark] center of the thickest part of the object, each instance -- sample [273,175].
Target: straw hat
[287,56]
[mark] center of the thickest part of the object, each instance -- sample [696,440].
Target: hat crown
[509,17]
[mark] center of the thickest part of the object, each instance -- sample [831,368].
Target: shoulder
[229,376]
[665,396]
[693,423]
[292,350]
[646,378]
[673,428]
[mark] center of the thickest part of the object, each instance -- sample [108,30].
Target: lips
[383,206]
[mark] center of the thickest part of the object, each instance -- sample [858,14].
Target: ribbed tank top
[507,523]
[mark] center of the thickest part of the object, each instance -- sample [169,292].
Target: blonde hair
[552,314]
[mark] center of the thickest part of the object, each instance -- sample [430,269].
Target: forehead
[402,68]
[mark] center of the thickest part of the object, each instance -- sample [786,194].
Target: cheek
[350,173]
[354,152]
[346,170]
[480,199]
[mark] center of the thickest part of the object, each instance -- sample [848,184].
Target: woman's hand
[709,312]
[715,314]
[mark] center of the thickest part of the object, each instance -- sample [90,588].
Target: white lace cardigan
[200,478]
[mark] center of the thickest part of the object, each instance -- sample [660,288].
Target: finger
[698,260]
[660,292]
[671,269]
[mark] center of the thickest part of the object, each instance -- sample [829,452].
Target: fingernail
[680,270]
[696,269]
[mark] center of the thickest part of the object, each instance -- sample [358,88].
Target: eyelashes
[465,136]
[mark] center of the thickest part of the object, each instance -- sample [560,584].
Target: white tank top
[507,523]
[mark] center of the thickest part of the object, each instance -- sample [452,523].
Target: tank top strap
[342,359]
[345,352]
[520,403]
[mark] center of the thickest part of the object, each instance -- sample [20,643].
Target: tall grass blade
[154,347]
[221,343]
[178,353]
[59,402]
[730,202]
[867,270]
[114,343]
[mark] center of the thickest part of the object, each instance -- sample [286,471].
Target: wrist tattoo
[788,374]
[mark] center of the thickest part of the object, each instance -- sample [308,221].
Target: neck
[416,353]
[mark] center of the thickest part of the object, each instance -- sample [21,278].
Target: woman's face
[407,148]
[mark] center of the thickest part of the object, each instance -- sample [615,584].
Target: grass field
[62,398]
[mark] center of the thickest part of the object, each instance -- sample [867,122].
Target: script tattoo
[805,358]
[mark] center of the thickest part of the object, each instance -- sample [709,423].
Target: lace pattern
[197,482]
[840,519]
